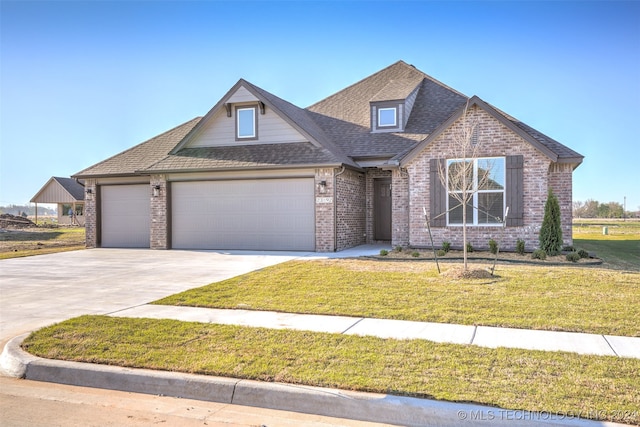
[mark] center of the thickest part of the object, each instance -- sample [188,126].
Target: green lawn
[620,248]
[594,300]
[554,382]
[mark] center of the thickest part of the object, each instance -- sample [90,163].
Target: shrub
[469,247]
[568,248]
[384,252]
[573,256]
[493,246]
[415,254]
[441,252]
[520,246]
[539,254]
[551,230]
[583,253]
[398,249]
[446,246]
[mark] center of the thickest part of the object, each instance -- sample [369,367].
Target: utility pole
[624,210]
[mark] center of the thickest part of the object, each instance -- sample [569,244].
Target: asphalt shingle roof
[72,186]
[245,156]
[141,156]
[338,127]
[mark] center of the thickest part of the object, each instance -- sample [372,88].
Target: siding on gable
[242,95]
[220,131]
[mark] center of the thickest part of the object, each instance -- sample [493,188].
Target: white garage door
[273,214]
[125,213]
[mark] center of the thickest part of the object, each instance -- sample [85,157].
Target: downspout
[335,207]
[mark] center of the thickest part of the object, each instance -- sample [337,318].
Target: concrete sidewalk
[484,336]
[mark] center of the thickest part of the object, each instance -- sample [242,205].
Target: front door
[382,209]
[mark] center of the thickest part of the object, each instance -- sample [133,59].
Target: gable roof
[338,129]
[346,116]
[555,151]
[295,116]
[59,190]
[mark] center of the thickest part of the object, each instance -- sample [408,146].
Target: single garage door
[125,213]
[271,214]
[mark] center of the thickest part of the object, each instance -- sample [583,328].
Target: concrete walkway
[484,336]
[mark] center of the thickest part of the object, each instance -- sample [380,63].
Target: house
[68,194]
[259,173]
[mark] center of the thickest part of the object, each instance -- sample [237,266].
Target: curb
[372,407]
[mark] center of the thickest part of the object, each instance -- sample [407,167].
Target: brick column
[325,211]
[399,208]
[91,213]
[159,212]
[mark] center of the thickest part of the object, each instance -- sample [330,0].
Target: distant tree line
[26,210]
[594,209]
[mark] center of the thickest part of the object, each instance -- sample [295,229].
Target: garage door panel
[275,214]
[125,213]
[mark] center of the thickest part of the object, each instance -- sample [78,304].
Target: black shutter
[438,196]
[515,190]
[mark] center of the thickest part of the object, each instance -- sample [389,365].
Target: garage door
[125,213]
[273,214]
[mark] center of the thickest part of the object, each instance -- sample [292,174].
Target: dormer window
[246,122]
[387,117]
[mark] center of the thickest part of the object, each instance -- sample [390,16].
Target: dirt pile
[13,221]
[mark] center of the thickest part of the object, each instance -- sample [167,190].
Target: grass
[16,243]
[593,300]
[620,248]
[556,382]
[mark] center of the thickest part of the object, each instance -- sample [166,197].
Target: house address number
[320,200]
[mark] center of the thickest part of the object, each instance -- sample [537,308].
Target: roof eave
[253,167]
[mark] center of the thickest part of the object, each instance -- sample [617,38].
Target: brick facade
[159,236]
[400,208]
[496,141]
[91,213]
[350,209]
[325,211]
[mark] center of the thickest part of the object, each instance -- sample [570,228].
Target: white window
[387,117]
[246,123]
[484,181]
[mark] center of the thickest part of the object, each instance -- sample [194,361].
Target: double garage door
[272,214]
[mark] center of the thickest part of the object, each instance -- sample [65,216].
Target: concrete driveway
[40,290]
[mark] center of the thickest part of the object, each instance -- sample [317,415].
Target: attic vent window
[387,117]
[246,123]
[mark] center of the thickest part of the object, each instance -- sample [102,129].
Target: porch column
[399,208]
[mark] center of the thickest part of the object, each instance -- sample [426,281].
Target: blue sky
[83,80]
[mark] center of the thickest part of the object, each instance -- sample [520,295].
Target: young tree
[461,175]
[551,232]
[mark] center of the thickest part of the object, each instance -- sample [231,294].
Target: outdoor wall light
[322,187]
[89,191]
[156,190]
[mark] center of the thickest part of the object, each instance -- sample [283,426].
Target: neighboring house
[257,172]
[68,194]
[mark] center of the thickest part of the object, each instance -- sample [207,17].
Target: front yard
[593,300]
[602,299]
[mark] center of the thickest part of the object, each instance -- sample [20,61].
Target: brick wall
[159,238]
[91,214]
[400,208]
[325,211]
[495,140]
[562,185]
[350,209]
